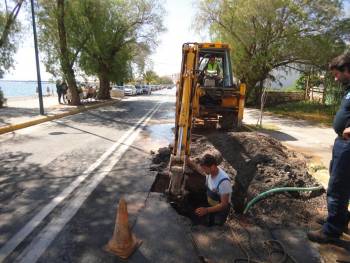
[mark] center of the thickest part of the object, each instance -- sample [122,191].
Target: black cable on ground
[274,247]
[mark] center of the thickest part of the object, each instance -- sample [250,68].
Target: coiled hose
[279,190]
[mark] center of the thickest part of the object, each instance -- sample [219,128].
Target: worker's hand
[201,211]
[346,133]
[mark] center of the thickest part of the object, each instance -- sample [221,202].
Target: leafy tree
[9,29]
[150,77]
[275,34]
[117,30]
[165,80]
[55,40]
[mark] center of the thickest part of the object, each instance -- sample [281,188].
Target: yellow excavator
[206,94]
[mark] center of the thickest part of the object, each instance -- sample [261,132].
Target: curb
[41,119]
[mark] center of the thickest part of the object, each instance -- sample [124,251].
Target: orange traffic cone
[123,243]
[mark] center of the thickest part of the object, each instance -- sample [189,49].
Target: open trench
[195,186]
[255,163]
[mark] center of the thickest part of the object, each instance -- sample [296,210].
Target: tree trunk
[10,20]
[251,91]
[64,56]
[104,90]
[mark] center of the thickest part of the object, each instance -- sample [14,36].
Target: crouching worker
[219,191]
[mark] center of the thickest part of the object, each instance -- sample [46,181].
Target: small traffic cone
[123,243]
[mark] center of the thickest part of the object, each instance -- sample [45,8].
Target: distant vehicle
[117,91]
[146,89]
[130,90]
[139,89]
[170,87]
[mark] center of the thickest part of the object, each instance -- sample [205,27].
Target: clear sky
[166,58]
[179,20]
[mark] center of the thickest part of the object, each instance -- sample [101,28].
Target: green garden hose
[278,190]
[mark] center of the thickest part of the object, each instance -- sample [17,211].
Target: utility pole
[40,93]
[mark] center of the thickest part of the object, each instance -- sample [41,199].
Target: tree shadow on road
[8,113]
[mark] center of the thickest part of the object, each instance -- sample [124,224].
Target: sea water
[13,88]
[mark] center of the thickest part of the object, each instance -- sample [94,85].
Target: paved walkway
[23,109]
[24,112]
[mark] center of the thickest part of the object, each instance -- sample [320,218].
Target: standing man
[219,191]
[59,90]
[338,192]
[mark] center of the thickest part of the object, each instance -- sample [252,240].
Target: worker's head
[209,164]
[340,67]
[212,58]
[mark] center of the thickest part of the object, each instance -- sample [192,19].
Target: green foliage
[150,77]
[274,34]
[306,110]
[47,15]
[9,38]
[333,91]
[311,79]
[104,38]
[114,34]
[165,80]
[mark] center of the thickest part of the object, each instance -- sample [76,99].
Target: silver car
[130,90]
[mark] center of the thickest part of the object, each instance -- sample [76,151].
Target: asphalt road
[60,181]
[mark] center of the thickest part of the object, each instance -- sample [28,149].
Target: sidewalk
[24,111]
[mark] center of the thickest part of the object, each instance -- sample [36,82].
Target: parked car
[117,92]
[139,89]
[146,89]
[130,90]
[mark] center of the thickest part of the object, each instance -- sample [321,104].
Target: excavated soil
[255,163]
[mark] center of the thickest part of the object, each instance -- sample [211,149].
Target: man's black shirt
[342,118]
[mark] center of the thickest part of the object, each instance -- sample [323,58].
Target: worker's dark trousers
[218,218]
[338,192]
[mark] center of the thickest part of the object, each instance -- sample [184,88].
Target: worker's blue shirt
[342,118]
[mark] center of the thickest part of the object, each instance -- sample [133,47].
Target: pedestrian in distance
[59,91]
[48,91]
[338,192]
[64,90]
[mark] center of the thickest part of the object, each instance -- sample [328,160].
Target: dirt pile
[255,163]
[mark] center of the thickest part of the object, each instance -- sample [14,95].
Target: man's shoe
[321,220]
[320,237]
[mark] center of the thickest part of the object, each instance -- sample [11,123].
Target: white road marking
[42,241]
[11,245]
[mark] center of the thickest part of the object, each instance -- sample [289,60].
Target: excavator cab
[219,75]
[206,94]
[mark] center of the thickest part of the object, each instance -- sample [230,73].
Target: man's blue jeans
[338,192]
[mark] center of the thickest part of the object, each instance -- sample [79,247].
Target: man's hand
[346,133]
[201,211]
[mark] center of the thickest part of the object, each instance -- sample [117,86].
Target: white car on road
[130,90]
